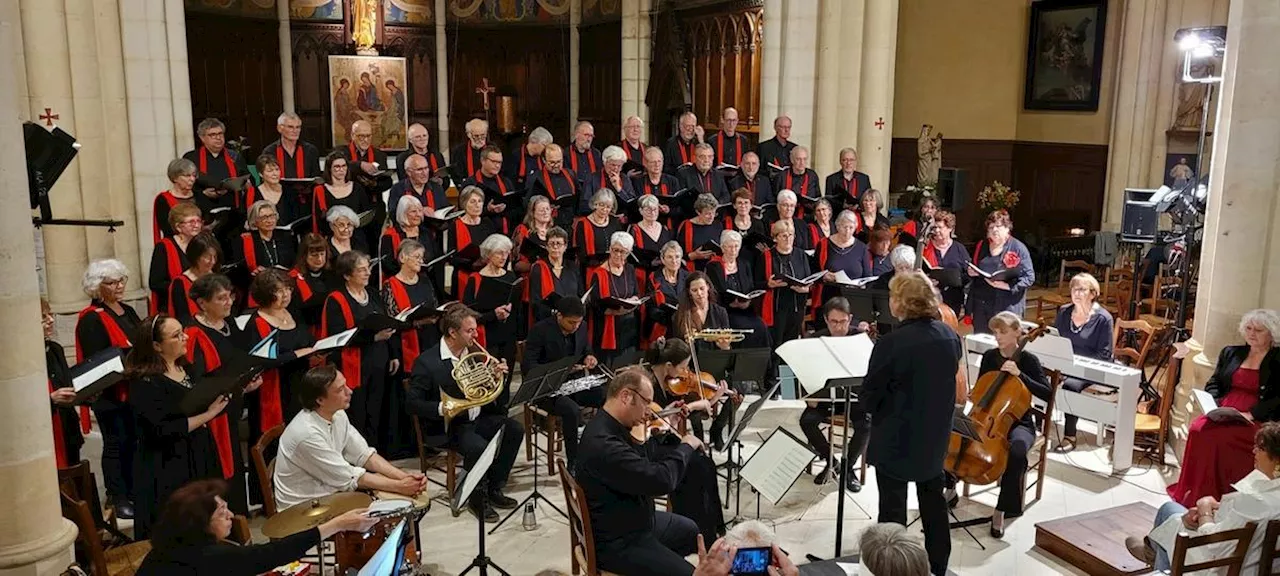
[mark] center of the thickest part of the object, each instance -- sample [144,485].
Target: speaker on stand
[952,190]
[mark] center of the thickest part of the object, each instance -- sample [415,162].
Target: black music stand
[733,468]
[538,384]
[471,479]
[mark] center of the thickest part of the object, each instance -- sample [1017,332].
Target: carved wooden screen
[725,57]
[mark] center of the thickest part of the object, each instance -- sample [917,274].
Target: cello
[1000,401]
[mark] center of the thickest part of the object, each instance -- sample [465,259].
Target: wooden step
[1094,542]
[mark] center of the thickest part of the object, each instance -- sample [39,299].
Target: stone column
[93,163]
[49,85]
[34,538]
[770,65]
[575,61]
[442,81]
[119,175]
[796,80]
[636,38]
[645,39]
[840,39]
[875,101]
[286,56]
[175,27]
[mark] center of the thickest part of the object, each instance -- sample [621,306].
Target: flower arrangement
[997,196]
[913,195]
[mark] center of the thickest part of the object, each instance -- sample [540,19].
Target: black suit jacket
[692,179]
[429,377]
[1229,360]
[835,186]
[546,344]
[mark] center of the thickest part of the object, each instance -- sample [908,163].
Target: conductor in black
[910,392]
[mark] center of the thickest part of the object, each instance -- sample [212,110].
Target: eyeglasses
[189,221]
[215,134]
[645,401]
[343,225]
[362,136]
[268,216]
[116,282]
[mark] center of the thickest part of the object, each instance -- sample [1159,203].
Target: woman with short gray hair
[409,214]
[182,180]
[610,178]
[888,550]
[591,235]
[470,228]
[733,273]
[497,325]
[698,235]
[343,222]
[649,234]
[615,325]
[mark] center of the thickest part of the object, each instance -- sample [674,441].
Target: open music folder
[827,361]
[776,464]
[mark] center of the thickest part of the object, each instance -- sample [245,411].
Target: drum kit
[351,549]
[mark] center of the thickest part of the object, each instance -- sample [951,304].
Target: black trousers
[119,444]
[1069,421]
[659,553]
[698,497]
[859,421]
[469,438]
[933,514]
[569,409]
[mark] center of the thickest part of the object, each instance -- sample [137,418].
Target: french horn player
[457,392]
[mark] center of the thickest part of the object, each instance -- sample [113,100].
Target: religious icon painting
[1064,55]
[370,88]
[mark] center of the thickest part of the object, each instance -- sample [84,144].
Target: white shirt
[447,355]
[318,458]
[1256,499]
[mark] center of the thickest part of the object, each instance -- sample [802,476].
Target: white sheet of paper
[480,469]
[266,348]
[815,361]
[113,365]
[404,315]
[980,271]
[776,464]
[1204,400]
[243,320]
[336,341]
[851,352]
[850,568]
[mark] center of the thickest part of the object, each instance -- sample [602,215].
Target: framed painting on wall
[370,88]
[1064,55]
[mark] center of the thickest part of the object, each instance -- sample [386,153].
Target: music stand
[776,474]
[733,466]
[471,479]
[540,383]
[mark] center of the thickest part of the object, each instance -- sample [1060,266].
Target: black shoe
[852,484]
[124,509]
[488,514]
[501,501]
[953,501]
[825,475]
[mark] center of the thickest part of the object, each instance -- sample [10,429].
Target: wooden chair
[539,422]
[78,482]
[837,431]
[103,561]
[1232,563]
[582,546]
[1151,430]
[1270,549]
[267,469]
[1038,453]
[1133,356]
[444,459]
[1117,292]
[1075,267]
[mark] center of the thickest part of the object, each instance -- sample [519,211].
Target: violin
[687,383]
[655,422]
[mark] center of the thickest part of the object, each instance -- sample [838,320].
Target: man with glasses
[419,140]
[215,163]
[495,185]
[839,323]
[418,183]
[295,157]
[556,183]
[364,163]
[465,158]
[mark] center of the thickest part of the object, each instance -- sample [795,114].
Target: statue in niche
[1190,106]
[364,26]
[929,150]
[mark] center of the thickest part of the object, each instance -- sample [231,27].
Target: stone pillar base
[50,557]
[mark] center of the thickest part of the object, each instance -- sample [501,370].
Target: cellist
[1007,328]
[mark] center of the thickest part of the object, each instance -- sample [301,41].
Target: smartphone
[752,562]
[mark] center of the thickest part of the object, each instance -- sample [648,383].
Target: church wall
[241,87]
[600,83]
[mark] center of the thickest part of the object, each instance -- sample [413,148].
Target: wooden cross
[484,90]
[880,123]
[48,117]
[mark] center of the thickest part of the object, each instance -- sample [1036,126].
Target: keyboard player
[1089,327]
[839,323]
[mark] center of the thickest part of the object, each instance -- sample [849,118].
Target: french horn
[479,377]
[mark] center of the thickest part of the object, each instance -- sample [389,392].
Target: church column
[575,60]
[175,25]
[636,38]
[34,538]
[839,63]
[795,81]
[875,101]
[118,178]
[442,81]
[93,162]
[286,55]
[44,24]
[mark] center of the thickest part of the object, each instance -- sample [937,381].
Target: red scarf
[471,161]
[250,251]
[350,354]
[633,154]
[226,157]
[573,159]
[481,337]
[804,186]
[546,180]
[270,410]
[547,284]
[462,239]
[588,229]
[662,187]
[524,161]
[821,250]
[850,186]
[299,162]
[304,289]
[319,207]
[766,302]
[219,427]
[409,345]
[157,230]
[173,269]
[930,254]
[186,283]
[600,277]
[737,149]
[117,338]
[686,229]
[686,151]
[705,179]
[59,440]
[658,330]
[368,154]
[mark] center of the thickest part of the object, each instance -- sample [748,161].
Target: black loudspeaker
[48,155]
[1139,220]
[952,188]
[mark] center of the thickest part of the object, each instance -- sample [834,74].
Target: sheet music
[336,341]
[404,315]
[114,365]
[477,472]
[1204,400]
[815,362]
[266,348]
[843,278]
[851,352]
[243,320]
[776,464]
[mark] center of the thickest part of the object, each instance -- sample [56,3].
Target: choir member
[312,279]
[527,158]
[783,305]
[609,178]
[553,277]
[1007,328]
[592,232]
[364,160]
[838,319]
[787,212]
[296,158]
[469,228]
[733,271]
[182,177]
[1245,384]
[776,152]
[365,366]
[67,436]
[841,252]
[944,252]
[169,257]
[560,336]
[470,431]
[497,325]
[743,222]
[925,213]
[821,227]
[750,178]
[633,139]
[211,336]
[191,537]
[696,232]
[107,322]
[799,178]
[679,149]
[283,199]
[728,144]
[912,404]
[696,312]
[583,160]
[871,214]
[614,331]
[419,145]
[409,287]
[490,181]
[341,190]
[343,221]
[1089,328]
[274,404]
[655,182]
[465,158]
[537,221]
[213,159]
[701,177]
[999,251]
[419,184]
[649,234]
[665,286]
[263,246]
[173,448]
[848,184]
[406,226]
[556,183]
[205,256]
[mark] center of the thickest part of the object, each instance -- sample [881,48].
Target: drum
[353,549]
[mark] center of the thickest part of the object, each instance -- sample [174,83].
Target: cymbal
[308,515]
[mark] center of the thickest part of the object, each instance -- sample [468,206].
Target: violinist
[550,340]
[699,311]
[839,321]
[1007,328]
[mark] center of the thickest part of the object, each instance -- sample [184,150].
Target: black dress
[497,336]
[545,284]
[405,346]
[741,281]
[168,454]
[66,422]
[613,335]
[364,366]
[206,348]
[224,559]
